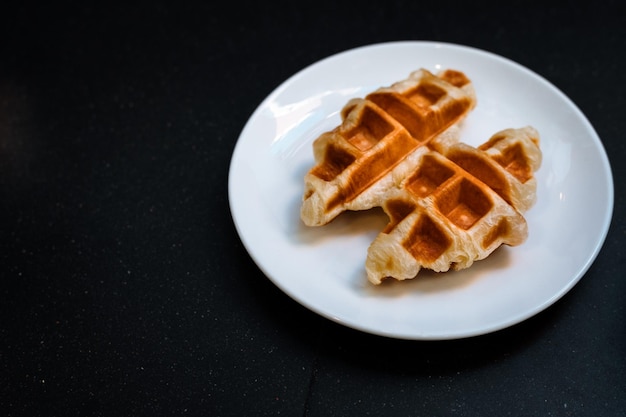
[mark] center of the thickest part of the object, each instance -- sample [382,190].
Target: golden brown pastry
[458,206]
[376,134]
[449,204]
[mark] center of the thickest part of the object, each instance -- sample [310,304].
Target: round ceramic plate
[324,268]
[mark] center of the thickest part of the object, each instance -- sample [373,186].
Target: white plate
[323,268]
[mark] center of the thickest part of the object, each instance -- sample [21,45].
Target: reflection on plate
[324,268]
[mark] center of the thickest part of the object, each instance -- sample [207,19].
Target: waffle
[458,205]
[376,134]
[449,204]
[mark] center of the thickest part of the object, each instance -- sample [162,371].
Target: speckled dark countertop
[125,287]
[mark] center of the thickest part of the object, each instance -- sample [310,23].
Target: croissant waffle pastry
[376,134]
[457,206]
[449,204]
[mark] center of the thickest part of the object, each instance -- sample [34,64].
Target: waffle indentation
[425,95]
[370,131]
[397,210]
[428,177]
[484,171]
[456,78]
[514,160]
[401,109]
[464,203]
[426,241]
[335,161]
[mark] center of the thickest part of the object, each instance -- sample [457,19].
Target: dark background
[125,289]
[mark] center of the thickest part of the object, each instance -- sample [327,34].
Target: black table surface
[125,287]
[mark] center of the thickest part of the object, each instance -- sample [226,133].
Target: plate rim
[591,257]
